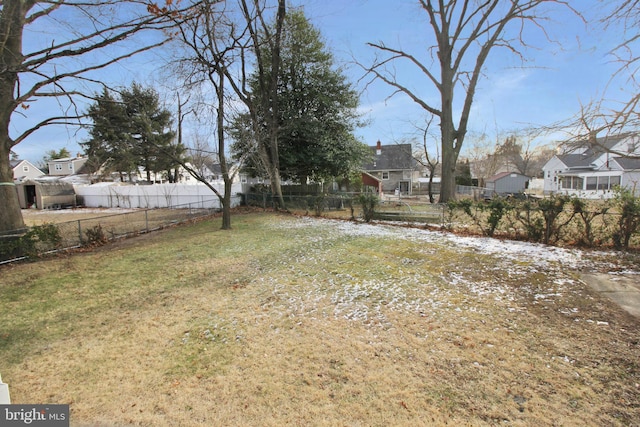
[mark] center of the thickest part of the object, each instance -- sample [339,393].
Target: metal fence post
[80,231]
[146,219]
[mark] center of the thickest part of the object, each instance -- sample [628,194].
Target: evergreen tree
[148,129]
[317,110]
[108,146]
[132,131]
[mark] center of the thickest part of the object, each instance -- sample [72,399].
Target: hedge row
[555,220]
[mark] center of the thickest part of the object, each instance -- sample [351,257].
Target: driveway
[624,289]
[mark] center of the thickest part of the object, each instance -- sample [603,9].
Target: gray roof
[594,149]
[579,160]
[628,164]
[391,157]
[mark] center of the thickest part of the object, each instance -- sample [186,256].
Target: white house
[594,172]
[24,170]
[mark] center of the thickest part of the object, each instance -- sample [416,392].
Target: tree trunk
[276,188]
[225,200]
[11,221]
[226,203]
[11,25]
[449,134]
[448,180]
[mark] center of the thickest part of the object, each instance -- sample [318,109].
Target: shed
[45,194]
[506,183]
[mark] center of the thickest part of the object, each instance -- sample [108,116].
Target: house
[66,166]
[506,183]
[23,170]
[594,172]
[393,169]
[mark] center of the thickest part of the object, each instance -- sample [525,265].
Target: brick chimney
[378,148]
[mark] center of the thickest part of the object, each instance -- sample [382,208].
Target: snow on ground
[541,255]
[367,300]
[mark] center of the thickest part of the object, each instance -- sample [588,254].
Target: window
[70,166]
[614,181]
[385,175]
[25,168]
[572,182]
[58,167]
[603,183]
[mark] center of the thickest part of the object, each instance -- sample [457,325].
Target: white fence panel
[152,196]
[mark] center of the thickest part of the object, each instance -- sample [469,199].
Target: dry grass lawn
[298,321]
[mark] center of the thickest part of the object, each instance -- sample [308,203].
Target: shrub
[477,212]
[629,222]
[369,202]
[95,236]
[528,215]
[580,209]
[551,209]
[316,202]
[36,240]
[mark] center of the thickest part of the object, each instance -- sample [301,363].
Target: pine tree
[131,132]
[317,109]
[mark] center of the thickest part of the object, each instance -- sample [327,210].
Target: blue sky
[549,87]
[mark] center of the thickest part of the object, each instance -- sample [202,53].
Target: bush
[551,209]
[477,211]
[580,209]
[369,202]
[629,222]
[36,240]
[95,236]
[316,202]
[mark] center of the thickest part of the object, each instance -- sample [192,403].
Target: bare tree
[603,118]
[201,155]
[427,159]
[59,64]
[464,33]
[208,41]
[481,155]
[261,32]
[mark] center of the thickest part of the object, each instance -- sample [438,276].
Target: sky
[556,77]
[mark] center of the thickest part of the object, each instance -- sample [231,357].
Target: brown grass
[304,322]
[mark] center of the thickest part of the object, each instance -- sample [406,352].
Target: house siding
[506,183]
[513,183]
[631,180]
[551,170]
[24,170]
[65,167]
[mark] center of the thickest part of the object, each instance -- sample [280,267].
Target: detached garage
[506,183]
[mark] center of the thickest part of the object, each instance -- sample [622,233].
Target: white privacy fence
[105,195]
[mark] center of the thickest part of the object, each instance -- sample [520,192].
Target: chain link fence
[82,232]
